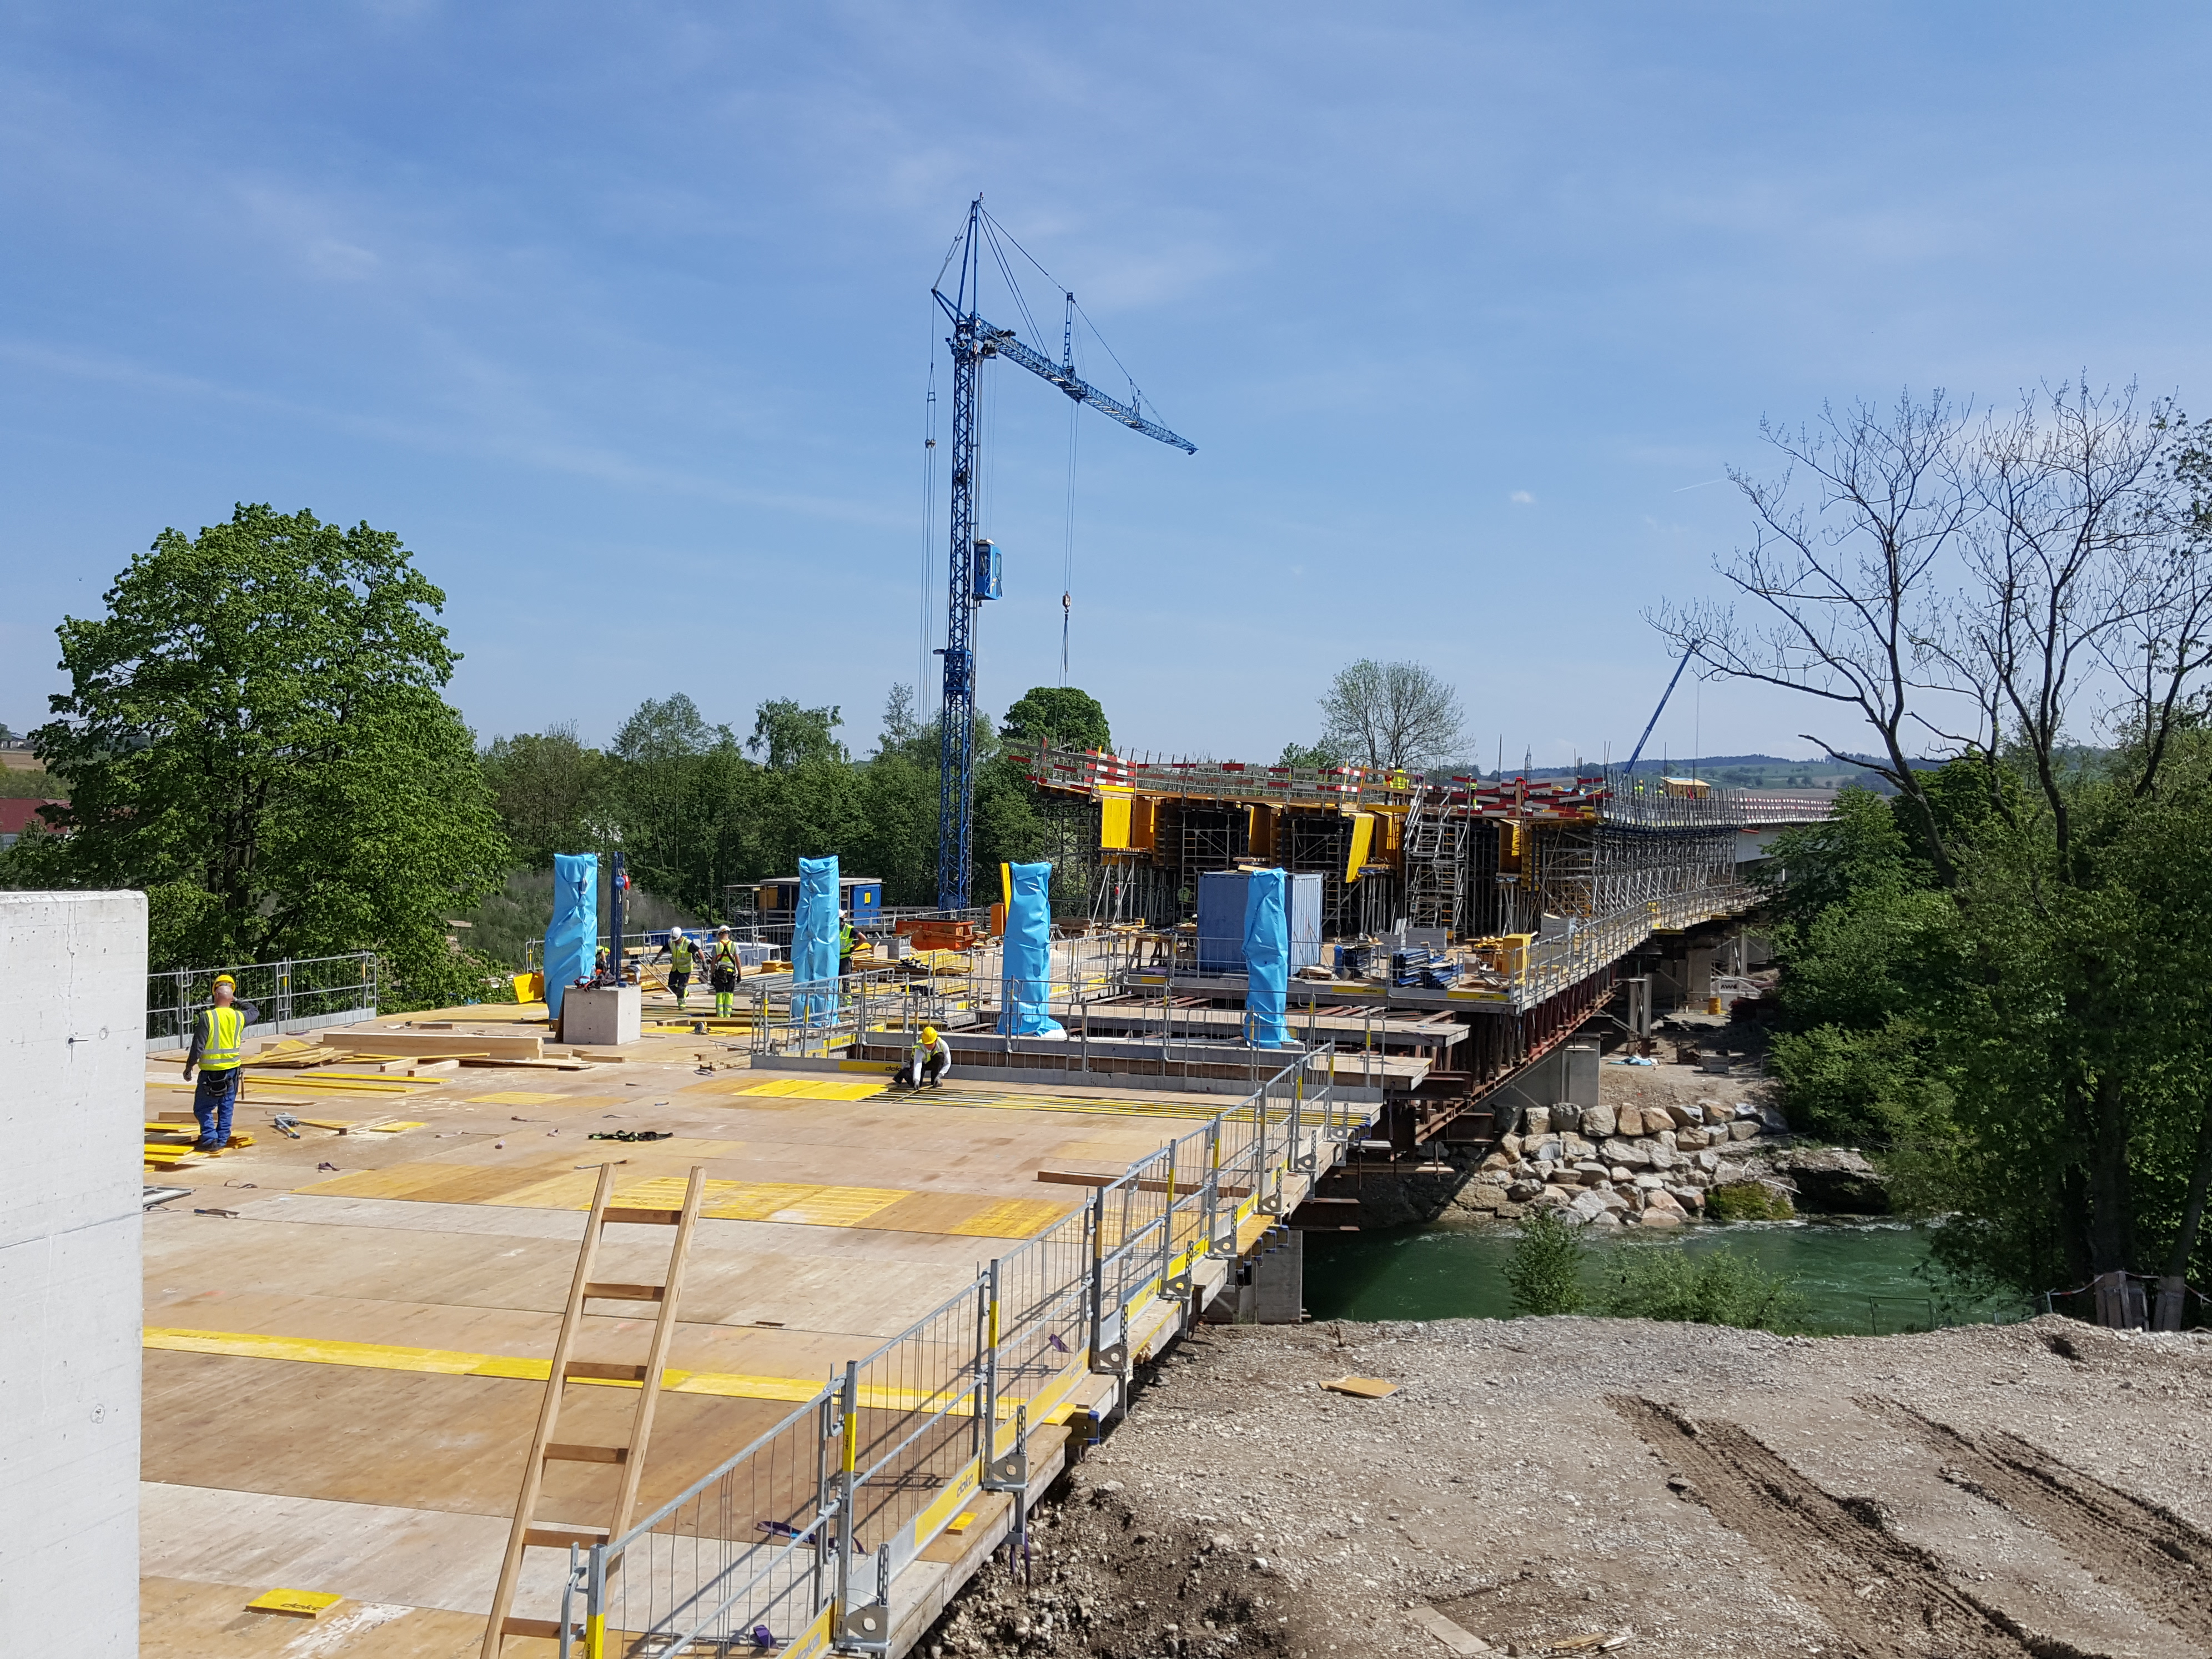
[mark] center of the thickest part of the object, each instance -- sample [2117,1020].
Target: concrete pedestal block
[602,1016]
[1580,1070]
[73,1054]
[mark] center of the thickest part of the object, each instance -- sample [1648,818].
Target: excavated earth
[1582,1485]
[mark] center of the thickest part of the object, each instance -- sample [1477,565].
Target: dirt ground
[1569,1485]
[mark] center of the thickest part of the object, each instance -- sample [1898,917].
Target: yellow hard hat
[929,1033]
[225,979]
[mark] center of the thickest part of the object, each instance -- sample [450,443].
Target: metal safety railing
[287,995]
[796,1543]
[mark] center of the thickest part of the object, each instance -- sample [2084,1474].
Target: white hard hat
[676,933]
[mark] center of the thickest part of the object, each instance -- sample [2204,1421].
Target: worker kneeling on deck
[218,1049]
[930,1058]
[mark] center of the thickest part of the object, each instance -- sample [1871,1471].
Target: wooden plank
[431,1044]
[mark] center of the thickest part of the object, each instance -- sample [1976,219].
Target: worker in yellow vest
[722,971]
[218,1051]
[926,1062]
[682,955]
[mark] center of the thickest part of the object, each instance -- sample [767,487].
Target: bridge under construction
[710,1336]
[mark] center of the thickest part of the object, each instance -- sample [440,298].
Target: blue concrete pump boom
[972,571]
[1689,651]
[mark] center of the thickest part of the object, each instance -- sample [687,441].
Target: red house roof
[15,815]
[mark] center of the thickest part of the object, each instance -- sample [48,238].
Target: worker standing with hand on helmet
[930,1058]
[218,1049]
[722,972]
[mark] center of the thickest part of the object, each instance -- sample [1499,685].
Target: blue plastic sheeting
[814,938]
[1025,989]
[1267,960]
[572,938]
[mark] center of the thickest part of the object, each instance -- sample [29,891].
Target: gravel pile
[1565,1486]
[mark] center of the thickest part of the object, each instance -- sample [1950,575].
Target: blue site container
[1221,896]
[987,570]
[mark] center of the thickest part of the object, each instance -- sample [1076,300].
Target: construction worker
[722,972]
[928,1062]
[681,957]
[218,1048]
[847,939]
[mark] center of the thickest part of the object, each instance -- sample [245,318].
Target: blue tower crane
[972,574]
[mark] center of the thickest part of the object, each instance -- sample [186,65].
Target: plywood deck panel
[323,1425]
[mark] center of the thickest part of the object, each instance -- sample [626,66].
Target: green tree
[1324,755]
[550,788]
[785,735]
[1709,1287]
[1060,715]
[1545,1270]
[255,734]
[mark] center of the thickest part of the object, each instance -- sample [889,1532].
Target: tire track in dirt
[1885,1597]
[2151,1553]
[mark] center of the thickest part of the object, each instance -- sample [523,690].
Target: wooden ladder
[528,1531]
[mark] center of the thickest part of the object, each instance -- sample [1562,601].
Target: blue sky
[620,316]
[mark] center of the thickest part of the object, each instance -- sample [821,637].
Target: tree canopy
[1059,715]
[255,734]
[1387,716]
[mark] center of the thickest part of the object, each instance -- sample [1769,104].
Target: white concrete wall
[72,1095]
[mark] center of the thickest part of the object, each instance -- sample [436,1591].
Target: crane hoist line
[972,570]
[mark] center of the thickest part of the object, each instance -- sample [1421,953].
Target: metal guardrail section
[1608,798]
[1552,965]
[290,995]
[796,1543]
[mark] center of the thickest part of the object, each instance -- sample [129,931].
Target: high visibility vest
[222,1038]
[726,955]
[679,956]
[847,939]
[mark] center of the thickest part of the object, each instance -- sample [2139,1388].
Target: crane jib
[972,573]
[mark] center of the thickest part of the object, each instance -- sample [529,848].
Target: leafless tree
[1391,714]
[2076,561]
[1844,571]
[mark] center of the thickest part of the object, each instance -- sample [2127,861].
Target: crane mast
[971,570]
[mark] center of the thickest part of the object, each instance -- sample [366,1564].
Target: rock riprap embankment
[1609,1166]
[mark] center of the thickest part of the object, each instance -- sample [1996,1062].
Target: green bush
[1746,1200]
[1545,1268]
[1711,1287]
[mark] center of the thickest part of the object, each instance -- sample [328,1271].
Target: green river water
[1858,1276]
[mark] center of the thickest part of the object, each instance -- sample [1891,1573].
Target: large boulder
[1744,1129]
[1480,1195]
[1834,1182]
[1683,1117]
[1599,1121]
[1634,1154]
[1628,1122]
[1536,1122]
[1691,1140]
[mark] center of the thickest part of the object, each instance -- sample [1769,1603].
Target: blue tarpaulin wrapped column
[1025,986]
[814,940]
[572,938]
[1267,960]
